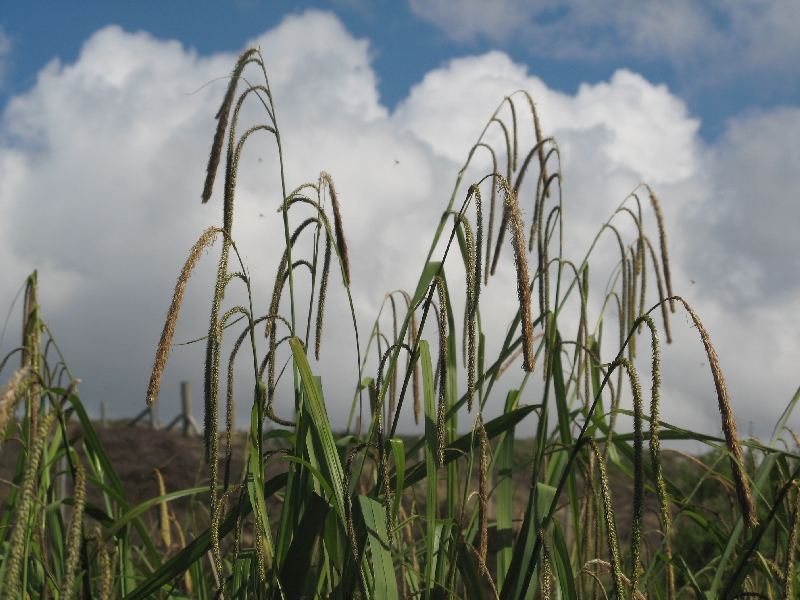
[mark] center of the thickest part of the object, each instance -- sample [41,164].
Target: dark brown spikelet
[323,290]
[206,240]
[341,243]
[539,139]
[523,283]
[412,341]
[222,123]
[746,503]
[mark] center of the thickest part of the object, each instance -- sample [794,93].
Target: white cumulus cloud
[102,161]
[711,42]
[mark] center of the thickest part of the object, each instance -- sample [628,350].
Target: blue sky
[406,44]
[106,121]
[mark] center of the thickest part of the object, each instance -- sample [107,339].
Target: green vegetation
[579,511]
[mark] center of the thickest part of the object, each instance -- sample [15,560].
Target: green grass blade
[566,578]
[331,466]
[469,574]
[196,549]
[300,571]
[385,582]
[504,494]
[398,451]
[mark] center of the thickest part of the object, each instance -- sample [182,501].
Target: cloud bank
[101,168]
[750,37]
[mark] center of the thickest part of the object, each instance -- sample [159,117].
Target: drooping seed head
[746,503]
[222,123]
[164,344]
[662,234]
[523,282]
[341,242]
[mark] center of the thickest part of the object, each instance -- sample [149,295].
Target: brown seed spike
[222,123]
[207,239]
[523,283]
[746,503]
[341,243]
[664,253]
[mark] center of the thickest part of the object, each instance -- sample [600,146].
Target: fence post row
[188,424]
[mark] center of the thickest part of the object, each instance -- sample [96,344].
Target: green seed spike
[393,374]
[509,151]
[483,498]
[655,446]
[660,285]
[412,342]
[788,567]
[638,472]
[515,136]
[611,526]
[13,392]
[74,540]
[472,283]
[546,579]
[492,202]
[31,335]
[25,502]
[105,581]
[348,510]
[442,370]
